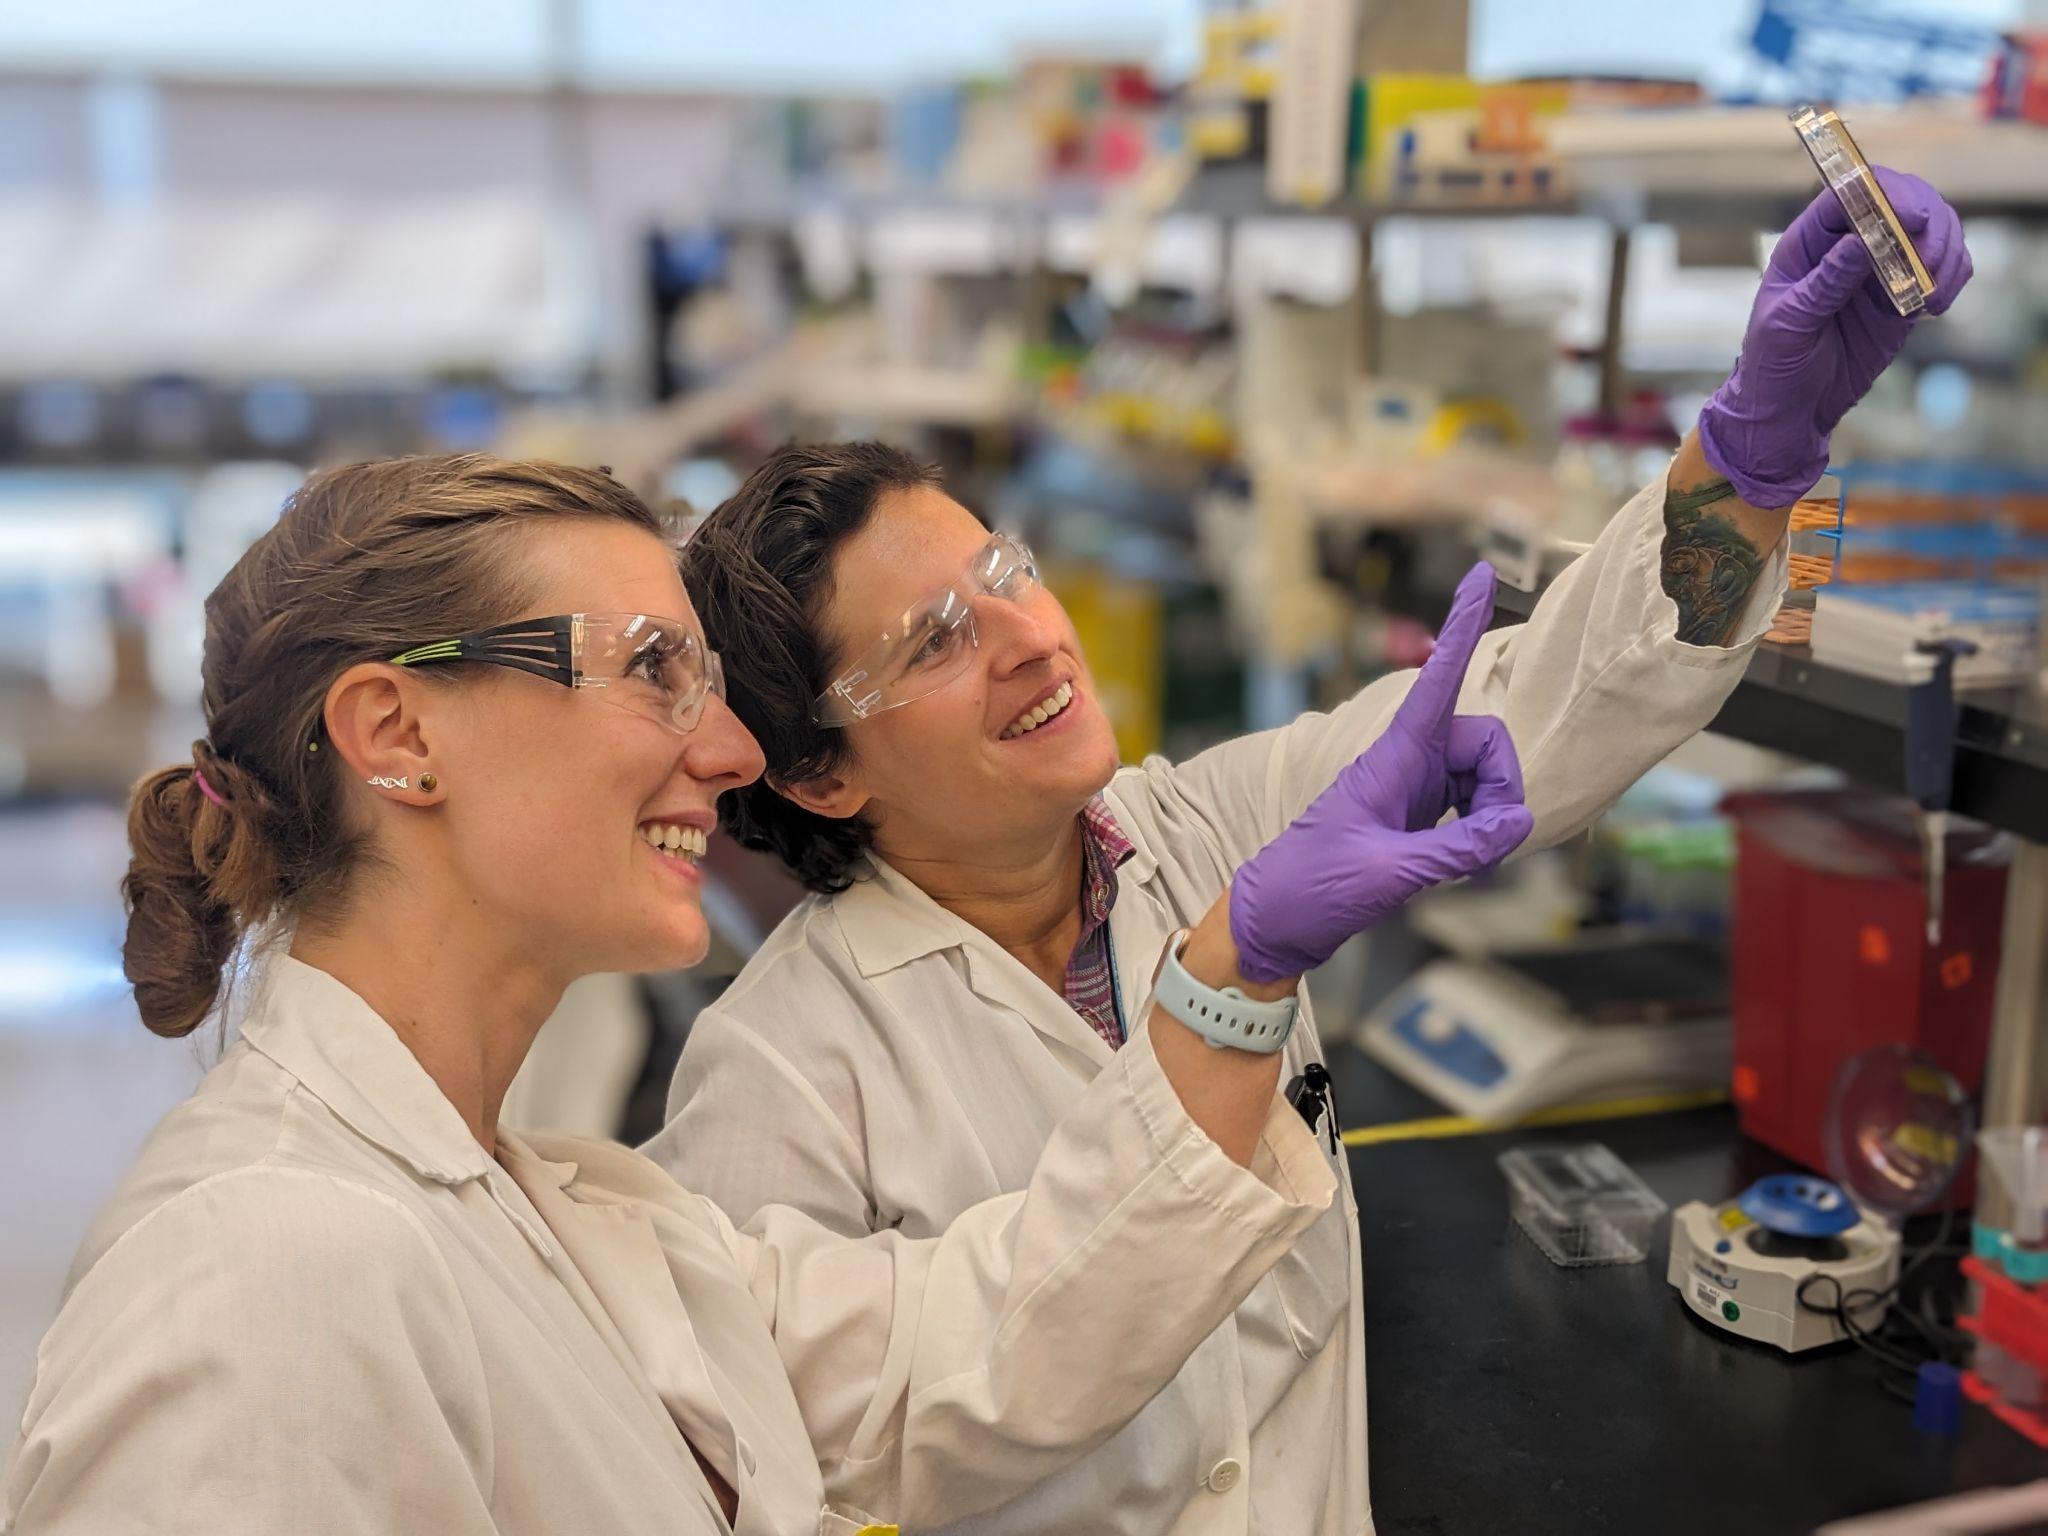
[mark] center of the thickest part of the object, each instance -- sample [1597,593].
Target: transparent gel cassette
[1580,1205]
[1842,165]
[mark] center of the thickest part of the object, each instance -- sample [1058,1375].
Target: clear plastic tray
[1581,1205]
[1843,167]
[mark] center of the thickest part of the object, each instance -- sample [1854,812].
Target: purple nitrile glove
[1371,840]
[1821,331]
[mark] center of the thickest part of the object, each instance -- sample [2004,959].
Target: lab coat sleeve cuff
[1289,1182]
[1644,518]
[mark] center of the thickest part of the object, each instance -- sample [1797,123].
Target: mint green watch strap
[1222,1018]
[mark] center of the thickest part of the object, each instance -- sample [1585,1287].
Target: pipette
[1931,765]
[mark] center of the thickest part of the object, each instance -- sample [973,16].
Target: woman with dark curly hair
[994,891]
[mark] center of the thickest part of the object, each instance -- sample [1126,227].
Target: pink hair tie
[208,790]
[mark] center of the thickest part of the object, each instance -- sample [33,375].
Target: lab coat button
[1223,1476]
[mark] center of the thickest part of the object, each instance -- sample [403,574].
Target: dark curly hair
[759,570]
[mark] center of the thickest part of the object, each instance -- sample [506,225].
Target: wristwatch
[1222,1018]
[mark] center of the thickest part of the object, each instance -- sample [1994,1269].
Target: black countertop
[1506,1395]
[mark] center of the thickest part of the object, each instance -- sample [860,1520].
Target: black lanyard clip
[1311,1095]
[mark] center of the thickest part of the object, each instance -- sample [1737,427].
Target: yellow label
[1733,1220]
[879,1530]
[1925,1141]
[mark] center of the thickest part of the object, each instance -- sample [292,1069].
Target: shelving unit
[1680,166]
[1793,704]
[1701,167]
[1788,702]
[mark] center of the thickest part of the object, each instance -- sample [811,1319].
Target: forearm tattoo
[1709,567]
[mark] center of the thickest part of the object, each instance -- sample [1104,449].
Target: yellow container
[1118,622]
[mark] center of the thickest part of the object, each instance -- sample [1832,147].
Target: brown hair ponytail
[364,561]
[200,873]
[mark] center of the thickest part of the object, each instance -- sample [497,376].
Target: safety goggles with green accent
[656,667]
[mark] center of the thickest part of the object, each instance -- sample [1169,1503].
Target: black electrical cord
[1908,1336]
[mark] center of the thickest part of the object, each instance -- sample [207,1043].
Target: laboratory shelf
[1791,703]
[1699,165]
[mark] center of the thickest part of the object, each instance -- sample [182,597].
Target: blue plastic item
[1938,1399]
[1855,50]
[1798,1205]
[1457,1049]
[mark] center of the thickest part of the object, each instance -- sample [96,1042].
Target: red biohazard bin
[1831,955]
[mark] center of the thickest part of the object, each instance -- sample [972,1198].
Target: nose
[1016,634]
[721,752]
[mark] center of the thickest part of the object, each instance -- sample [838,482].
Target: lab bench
[1507,1395]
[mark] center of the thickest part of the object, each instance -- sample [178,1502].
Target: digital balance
[1790,1257]
[1501,1037]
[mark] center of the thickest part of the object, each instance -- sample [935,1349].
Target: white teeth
[667,837]
[1033,718]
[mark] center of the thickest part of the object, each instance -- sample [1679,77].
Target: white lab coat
[317,1306]
[882,1065]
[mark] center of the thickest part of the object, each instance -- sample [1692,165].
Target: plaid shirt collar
[1089,985]
[1103,849]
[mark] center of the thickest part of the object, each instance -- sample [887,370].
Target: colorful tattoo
[1709,567]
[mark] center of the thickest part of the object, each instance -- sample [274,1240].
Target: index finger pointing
[1433,696]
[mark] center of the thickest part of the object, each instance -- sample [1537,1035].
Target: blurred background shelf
[1711,165]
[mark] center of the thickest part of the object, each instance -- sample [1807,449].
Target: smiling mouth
[1038,714]
[685,844]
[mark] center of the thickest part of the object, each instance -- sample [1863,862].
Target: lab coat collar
[889,922]
[346,1056]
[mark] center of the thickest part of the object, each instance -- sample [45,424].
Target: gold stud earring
[429,783]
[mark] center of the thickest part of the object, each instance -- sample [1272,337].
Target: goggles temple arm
[542,647]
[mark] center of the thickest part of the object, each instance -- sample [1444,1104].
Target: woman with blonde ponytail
[464,741]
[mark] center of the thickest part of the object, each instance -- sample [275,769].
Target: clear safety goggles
[929,645]
[660,668]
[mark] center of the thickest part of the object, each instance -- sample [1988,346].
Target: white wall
[766,45]
[135,209]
